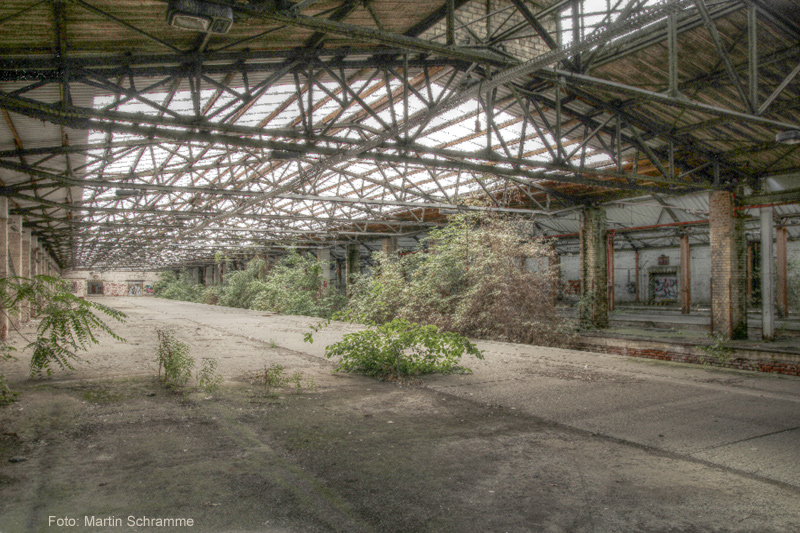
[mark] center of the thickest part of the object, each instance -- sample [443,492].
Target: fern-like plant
[68,324]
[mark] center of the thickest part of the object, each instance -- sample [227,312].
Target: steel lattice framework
[322,123]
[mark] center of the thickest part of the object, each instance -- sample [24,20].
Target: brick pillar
[612,297]
[555,271]
[324,257]
[25,263]
[686,275]
[389,246]
[636,268]
[782,287]
[594,268]
[353,263]
[728,279]
[15,258]
[4,273]
[767,277]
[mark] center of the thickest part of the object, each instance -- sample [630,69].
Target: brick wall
[728,267]
[739,358]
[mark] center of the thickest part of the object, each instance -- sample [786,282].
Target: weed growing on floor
[274,377]
[173,358]
[208,380]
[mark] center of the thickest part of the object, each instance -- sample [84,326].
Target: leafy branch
[68,324]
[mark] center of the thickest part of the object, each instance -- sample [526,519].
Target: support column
[353,263]
[36,256]
[767,279]
[781,238]
[4,273]
[594,268]
[612,297]
[25,264]
[15,259]
[555,271]
[389,246]
[324,257]
[686,275]
[728,283]
[636,268]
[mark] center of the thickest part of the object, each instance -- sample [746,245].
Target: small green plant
[716,350]
[173,358]
[207,378]
[272,343]
[271,377]
[399,349]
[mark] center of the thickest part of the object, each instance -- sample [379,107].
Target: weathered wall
[134,283]
[625,272]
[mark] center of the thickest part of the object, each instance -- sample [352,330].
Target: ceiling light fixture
[198,15]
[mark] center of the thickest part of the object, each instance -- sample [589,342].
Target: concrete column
[4,273]
[594,268]
[767,279]
[612,297]
[728,279]
[389,246]
[783,272]
[353,263]
[208,275]
[25,262]
[324,257]
[35,256]
[686,275]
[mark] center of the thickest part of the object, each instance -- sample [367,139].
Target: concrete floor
[737,420]
[536,439]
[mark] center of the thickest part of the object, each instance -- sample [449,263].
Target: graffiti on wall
[115,289]
[148,288]
[573,287]
[134,289]
[75,287]
[665,287]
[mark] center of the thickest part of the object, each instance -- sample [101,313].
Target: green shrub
[294,287]
[181,286]
[242,286]
[399,348]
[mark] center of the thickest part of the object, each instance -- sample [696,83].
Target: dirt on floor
[110,448]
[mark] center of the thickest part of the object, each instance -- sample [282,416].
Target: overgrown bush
[181,286]
[241,286]
[294,287]
[399,348]
[473,280]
